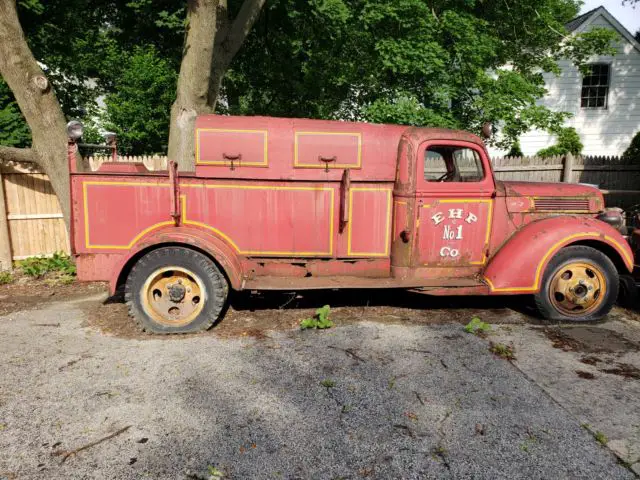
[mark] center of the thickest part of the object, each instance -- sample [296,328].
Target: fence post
[5,247]
[567,170]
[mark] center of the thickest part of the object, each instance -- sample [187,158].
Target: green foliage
[445,63]
[320,320]
[328,383]
[503,351]
[632,153]
[477,327]
[14,131]
[6,277]
[568,141]
[214,473]
[138,110]
[453,63]
[39,266]
[515,150]
[601,438]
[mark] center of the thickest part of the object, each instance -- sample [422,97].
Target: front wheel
[175,290]
[579,284]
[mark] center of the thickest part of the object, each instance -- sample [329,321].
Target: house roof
[580,23]
[577,22]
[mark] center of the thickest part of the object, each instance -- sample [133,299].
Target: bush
[5,277]
[632,153]
[568,142]
[516,150]
[39,266]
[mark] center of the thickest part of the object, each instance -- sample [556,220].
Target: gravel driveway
[366,400]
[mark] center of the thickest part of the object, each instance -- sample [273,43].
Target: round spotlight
[75,129]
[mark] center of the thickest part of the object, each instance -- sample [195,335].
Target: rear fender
[209,244]
[519,265]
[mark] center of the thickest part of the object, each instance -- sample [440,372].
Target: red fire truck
[296,204]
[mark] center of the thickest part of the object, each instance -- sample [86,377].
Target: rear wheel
[175,290]
[579,284]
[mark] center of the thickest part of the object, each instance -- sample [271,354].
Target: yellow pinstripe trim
[350,252]
[265,138]
[296,162]
[536,283]
[137,237]
[186,221]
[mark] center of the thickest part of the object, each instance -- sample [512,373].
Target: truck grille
[561,204]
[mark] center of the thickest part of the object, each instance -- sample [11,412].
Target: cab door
[455,193]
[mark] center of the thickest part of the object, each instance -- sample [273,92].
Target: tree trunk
[192,95]
[210,45]
[38,104]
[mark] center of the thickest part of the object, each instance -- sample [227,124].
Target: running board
[323,283]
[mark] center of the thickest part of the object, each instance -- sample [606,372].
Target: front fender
[214,246]
[519,265]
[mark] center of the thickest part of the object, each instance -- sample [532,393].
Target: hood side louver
[561,204]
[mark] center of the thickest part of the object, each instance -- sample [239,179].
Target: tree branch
[242,25]
[11,154]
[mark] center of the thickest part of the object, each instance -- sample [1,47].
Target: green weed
[320,320]
[601,438]
[328,383]
[214,473]
[38,266]
[477,327]
[6,277]
[503,351]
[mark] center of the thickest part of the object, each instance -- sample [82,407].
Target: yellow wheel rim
[173,296]
[577,289]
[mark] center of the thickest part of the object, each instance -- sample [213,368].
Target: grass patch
[477,327]
[37,267]
[328,383]
[601,438]
[319,321]
[6,277]
[503,351]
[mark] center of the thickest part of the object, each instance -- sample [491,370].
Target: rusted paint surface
[294,204]
[336,281]
[453,291]
[370,267]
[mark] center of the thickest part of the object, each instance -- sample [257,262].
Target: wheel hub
[577,288]
[173,296]
[177,292]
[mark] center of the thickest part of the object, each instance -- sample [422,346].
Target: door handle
[327,161]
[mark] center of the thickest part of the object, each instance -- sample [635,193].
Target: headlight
[75,129]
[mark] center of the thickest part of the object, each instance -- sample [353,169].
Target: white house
[606,103]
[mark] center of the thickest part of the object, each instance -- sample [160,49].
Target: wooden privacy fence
[31,222]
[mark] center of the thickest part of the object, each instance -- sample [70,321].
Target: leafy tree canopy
[451,63]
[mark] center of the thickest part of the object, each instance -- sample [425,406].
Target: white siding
[602,131]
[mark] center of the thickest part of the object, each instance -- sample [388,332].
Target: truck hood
[550,197]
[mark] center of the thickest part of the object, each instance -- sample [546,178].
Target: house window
[595,86]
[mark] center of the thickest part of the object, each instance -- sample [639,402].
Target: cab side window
[452,164]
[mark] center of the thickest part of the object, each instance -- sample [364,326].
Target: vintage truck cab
[295,204]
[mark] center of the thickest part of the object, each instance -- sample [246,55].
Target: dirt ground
[27,294]
[256,315]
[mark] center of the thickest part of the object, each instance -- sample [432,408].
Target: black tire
[211,281]
[578,255]
[629,295]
